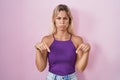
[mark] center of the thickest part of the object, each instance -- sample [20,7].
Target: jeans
[52,76]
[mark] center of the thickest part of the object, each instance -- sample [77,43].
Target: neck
[62,33]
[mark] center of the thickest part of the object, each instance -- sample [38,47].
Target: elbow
[40,70]
[81,69]
[40,67]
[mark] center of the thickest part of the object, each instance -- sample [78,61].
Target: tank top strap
[70,36]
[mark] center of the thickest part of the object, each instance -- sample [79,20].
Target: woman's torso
[62,57]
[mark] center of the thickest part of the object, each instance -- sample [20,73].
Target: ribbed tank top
[62,57]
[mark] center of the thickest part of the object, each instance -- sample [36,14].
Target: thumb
[79,48]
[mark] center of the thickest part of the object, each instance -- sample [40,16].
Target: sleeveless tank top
[62,57]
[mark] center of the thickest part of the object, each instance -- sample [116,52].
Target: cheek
[67,22]
[56,22]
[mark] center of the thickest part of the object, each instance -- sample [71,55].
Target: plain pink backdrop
[25,22]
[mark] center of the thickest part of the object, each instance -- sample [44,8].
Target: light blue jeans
[52,76]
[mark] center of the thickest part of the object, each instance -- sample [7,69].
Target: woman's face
[62,21]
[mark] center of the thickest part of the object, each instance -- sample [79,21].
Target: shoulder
[77,40]
[48,39]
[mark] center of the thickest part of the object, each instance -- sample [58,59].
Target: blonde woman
[64,51]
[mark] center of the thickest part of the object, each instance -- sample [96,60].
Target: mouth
[62,25]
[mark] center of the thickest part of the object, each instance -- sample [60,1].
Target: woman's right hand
[42,47]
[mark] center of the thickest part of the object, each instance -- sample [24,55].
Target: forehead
[62,14]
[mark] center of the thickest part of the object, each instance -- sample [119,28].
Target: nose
[62,21]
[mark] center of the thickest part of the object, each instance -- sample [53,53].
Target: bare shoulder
[77,40]
[48,39]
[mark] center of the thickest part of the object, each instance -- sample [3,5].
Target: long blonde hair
[62,7]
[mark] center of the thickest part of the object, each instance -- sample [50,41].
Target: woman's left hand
[84,47]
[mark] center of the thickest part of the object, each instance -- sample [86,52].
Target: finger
[85,48]
[82,46]
[46,46]
[37,46]
[40,48]
[77,50]
[79,47]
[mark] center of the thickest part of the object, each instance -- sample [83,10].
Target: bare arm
[82,61]
[41,55]
[82,55]
[41,60]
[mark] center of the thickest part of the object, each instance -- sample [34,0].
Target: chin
[62,28]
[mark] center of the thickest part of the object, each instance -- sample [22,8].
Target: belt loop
[68,77]
[55,77]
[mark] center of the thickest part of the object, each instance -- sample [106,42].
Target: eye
[58,18]
[65,18]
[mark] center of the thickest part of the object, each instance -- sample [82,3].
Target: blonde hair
[62,7]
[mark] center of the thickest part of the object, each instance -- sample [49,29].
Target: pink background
[25,22]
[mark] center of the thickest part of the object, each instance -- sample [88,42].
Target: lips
[62,25]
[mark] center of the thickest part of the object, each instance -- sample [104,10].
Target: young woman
[64,51]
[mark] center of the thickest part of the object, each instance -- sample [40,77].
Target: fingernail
[48,50]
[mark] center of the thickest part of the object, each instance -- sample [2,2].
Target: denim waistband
[52,76]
